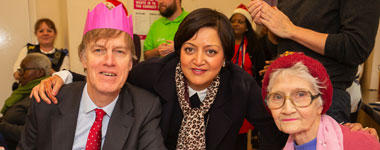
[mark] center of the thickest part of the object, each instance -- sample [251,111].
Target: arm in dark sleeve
[28,139]
[359,24]
[11,131]
[260,118]
[144,74]
[151,137]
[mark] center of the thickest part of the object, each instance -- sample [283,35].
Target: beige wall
[371,71]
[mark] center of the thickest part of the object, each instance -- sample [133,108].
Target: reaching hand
[47,90]
[274,19]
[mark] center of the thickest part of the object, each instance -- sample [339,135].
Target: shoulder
[141,98]
[158,22]
[139,92]
[32,47]
[154,66]
[358,140]
[63,51]
[71,90]
[236,74]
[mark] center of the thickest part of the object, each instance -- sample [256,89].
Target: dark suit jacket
[134,123]
[238,97]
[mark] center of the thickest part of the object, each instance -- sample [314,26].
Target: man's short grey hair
[297,70]
[38,60]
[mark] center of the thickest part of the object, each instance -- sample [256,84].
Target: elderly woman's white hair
[297,70]
[38,60]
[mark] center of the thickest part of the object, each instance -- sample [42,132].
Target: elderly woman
[204,96]
[298,92]
[34,68]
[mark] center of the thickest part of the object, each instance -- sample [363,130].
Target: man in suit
[103,112]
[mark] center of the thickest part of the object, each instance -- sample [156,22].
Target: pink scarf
[330,135]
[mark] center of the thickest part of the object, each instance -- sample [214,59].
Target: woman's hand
[276,21]
[359,127]
[47,90]
[254,8]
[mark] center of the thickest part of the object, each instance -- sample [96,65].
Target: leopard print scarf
[192,132]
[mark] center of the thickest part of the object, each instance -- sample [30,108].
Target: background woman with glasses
[298,92]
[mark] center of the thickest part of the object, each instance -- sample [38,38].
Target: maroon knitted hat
[315,68]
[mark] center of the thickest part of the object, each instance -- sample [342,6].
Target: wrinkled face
[29,73]
[108,63]
[202,57]
[167,7]
[239,25]
[290,119]
[45,35]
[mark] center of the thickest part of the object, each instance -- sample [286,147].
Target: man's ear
[83,60]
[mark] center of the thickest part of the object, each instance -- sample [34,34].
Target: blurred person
[249,55]
[159,41]
[340,36]
[33,68]
[247,43]
[298,92]
[46,33]
[103,112]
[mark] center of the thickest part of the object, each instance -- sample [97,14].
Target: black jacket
[238,97]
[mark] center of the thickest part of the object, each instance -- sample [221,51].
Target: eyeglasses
[299,98]
[22,70]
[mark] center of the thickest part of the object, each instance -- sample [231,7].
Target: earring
[224,64]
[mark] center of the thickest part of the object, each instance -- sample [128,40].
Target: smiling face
[290,119]
[202,57]
[108,62]
[239,24]
[45,35]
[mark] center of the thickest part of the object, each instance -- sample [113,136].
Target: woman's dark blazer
[238,97]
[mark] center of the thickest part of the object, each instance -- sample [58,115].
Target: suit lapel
[64,121]
[121,122]
[165,88]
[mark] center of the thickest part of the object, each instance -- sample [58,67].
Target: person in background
[338,33]
[247,43]
[103,112]
[249,55]
[159,41]
[298,92]
[45,31]
[34,68]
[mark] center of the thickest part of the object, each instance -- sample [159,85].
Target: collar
[88,105]
[49,52]
[176,20]
[201,94]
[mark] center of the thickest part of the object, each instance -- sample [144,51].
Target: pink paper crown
[102,17]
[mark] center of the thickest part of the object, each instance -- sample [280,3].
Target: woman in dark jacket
[204,96]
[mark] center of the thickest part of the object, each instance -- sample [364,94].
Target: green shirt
[161,30]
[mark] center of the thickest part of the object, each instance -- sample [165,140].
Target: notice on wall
[145,13]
